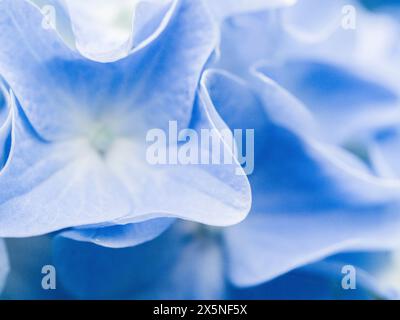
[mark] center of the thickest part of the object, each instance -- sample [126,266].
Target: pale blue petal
[136,90]
[26,48]
[5,124]
[323,280]
[216,194]
[168,68]
[62,21]
[342,100]
[310,199]
[274,243]
[300,22]
[384,152]
[121,236]
[46,187]
[127,25]
[248,38]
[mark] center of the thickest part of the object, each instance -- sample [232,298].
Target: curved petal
[272,244]
[248,38]
[4,265]
[121,236]
[25,48]
[5,124]
[51,186]
[46,187]
[166,67]
[310,199]
[113,29]
[384,152]
[100,26]
[60,19]
[201,190]
[343,101]
[320,281]
[300,22]
[134,89]
[4,104]
[173,266]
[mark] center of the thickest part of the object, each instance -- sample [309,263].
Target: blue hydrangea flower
[311,199]
[77,154]
[317,190]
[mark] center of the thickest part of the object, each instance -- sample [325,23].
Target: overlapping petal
[139,84]
[323,281]
[25,49]
[113,30]
[121,236]
[49,186]
[310,199]
[68,182]
[384,151]
[5,123]
[207,193]
[343,101]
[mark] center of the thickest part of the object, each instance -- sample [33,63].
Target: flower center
[101,139]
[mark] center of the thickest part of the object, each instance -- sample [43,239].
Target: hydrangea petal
[138,86]
[95,35]
[62,21]
[113,30]
[168,68]
[300,22]
[121,236]
[46,187]
[5,124]
[384,151]
[301,187]
[335,95]
[304,237]
[22,63]
[319,281]
[216,194]
[248,38]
